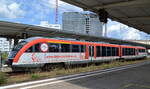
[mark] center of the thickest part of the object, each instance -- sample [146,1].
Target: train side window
[117,52]
[65,47]
[113,51]
[144,50]
[134,51]
[37,47]
[104,51]
[108,51]
[131,51]
[53,47]
[75,48]
[82,48]
[98,51]
[124,51]
[128,51]
[30,49]
[141,50]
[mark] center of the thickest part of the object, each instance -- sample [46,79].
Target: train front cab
[14,52]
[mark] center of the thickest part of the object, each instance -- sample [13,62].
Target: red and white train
[38,51]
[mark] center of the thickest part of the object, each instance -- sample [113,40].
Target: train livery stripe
[25,47]
[59,42]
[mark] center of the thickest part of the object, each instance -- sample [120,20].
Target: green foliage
[3,78]
[34,76]
[4,55]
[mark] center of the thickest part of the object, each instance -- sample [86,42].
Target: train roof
[63,39]
[31,39]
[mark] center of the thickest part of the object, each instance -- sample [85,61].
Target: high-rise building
[82,23]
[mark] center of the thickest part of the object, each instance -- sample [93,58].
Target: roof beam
[144,25]
[135,17]
[125,3]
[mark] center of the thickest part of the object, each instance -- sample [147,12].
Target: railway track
[16,73]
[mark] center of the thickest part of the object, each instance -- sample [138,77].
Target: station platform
[134,76]
[131,78]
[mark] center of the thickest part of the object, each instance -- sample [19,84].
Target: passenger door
[91,52]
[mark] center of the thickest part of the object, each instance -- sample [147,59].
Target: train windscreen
[19,46]
[14,51]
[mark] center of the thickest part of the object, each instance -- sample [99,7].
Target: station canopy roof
[134,13]
[15,30]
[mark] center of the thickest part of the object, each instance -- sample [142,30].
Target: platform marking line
[75,75]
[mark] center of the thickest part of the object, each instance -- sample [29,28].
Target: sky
[34,11]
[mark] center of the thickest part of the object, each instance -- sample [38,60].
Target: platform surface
[136,76]
[133,78]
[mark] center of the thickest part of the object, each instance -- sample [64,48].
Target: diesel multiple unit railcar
[39,51]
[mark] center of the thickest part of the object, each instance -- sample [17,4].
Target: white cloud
[132,34]
[123,32]
[10,10]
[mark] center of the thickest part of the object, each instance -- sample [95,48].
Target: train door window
[98,51]
[65,47]
[104,51]
[91,50]
[75,48]
[82,48]
[101,50]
